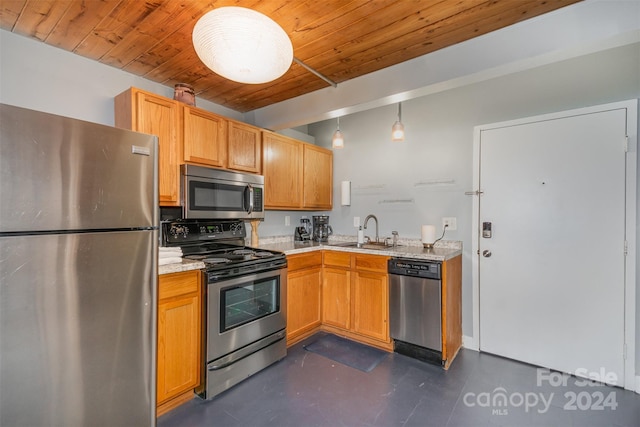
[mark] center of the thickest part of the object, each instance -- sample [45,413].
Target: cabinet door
[371,304]
[282,171]
[318,177]
[244,148]
[303,301]
[177,346]
[205,138]
[336,297]
[160,116]
[179,326]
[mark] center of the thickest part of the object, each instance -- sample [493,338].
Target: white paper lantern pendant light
[242,45]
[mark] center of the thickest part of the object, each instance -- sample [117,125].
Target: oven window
[246,303]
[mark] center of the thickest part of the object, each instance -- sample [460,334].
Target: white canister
[428,234]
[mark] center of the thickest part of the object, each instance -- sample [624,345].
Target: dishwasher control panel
[416,268]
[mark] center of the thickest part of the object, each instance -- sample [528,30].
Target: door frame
[630,225]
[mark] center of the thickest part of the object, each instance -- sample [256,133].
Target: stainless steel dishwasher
[415,308]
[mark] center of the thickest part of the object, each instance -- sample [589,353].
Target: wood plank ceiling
[342,39]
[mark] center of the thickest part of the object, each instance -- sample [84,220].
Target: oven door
[244,310]
[206,198]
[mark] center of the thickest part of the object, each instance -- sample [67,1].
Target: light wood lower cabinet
[336,298]
[371,304]
[451,309]
[304,279]
[348,294]
[355,297]
[179,326]
[339,292]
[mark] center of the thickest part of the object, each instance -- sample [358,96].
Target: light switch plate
[356,221]
[287,220]
[450,222]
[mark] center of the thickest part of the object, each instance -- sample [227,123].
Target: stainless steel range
[245,301]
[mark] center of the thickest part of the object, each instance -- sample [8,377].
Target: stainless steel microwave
[209,193]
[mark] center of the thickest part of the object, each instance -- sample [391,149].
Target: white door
[552,274]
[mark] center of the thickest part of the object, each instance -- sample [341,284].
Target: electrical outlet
[287,220]
[356,221]
[449,222]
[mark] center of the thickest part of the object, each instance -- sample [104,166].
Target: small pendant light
[397,130]
[338,139]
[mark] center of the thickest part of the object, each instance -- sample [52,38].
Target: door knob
[486,253]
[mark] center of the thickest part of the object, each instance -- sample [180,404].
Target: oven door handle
[225,361]
[250,189]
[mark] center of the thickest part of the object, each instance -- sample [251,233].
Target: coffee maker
[303,231]
[321,228]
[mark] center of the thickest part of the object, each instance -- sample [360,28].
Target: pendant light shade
[397,130]
[338,140]
[242,45]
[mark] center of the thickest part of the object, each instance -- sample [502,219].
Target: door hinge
[473,193]
[626,248]
[626,143]
[624,351]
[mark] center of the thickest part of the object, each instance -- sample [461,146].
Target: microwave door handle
[250,188]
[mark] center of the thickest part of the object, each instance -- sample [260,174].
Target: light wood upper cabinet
[297,175]
[156,115]
[317,177]
[179,326]
[282,169]
[205,138]
[244,147]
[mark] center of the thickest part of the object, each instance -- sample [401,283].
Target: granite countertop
[177,267]
[407,248]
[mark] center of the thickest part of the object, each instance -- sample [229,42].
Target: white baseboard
[637,380]
[470,343]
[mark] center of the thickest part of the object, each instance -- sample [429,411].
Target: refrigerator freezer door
[76,329]
[58,173]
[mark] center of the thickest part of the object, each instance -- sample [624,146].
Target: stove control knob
[179,231]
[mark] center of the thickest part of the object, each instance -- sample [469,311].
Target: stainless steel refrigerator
[78,266]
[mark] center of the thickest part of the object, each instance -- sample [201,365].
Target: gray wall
[34,75]
[439,142]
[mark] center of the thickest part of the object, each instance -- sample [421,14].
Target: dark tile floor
[306,390]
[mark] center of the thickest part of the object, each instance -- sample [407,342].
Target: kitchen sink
[368,245]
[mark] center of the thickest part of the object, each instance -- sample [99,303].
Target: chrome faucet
[367,220]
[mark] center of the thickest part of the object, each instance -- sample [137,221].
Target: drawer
[300,261]
[337,259]
[371,262]
[176,284]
